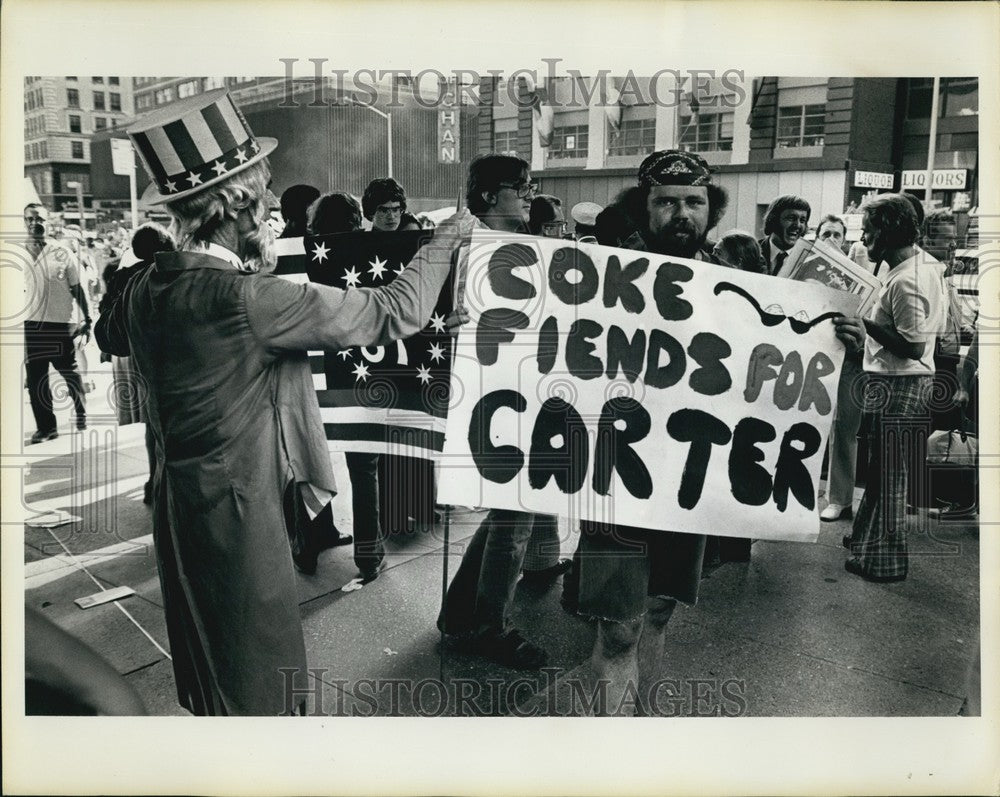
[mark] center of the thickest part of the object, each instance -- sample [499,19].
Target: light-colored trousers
[844,435]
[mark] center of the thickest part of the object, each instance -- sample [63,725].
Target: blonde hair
[196,218]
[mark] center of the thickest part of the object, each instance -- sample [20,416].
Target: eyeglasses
[523,189]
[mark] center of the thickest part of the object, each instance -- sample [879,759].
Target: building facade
[335,136]
[61,117]
[834,141]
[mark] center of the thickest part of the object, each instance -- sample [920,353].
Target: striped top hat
[194,143]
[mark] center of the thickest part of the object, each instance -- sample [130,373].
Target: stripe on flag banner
[377,399]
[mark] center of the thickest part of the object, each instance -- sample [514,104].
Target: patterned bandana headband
[674,167]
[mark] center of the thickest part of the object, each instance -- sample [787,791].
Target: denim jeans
[479,598]
[369,542]
[543,549]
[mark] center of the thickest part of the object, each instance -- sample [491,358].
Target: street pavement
[788,633]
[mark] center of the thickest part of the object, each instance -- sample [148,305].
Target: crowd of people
[240,478]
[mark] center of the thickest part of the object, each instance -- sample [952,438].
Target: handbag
[955,447]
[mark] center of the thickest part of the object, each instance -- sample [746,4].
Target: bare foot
[581,692]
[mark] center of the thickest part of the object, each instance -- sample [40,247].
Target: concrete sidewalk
[789,633]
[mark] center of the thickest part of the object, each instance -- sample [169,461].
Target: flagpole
[444,589]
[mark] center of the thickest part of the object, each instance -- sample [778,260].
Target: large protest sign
[632,388]
[379,399]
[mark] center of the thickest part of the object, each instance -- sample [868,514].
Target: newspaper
[815,261]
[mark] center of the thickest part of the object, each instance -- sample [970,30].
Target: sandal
[512,650]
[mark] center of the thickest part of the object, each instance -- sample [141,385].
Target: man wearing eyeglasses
[384,203]
[477,606]
[546,217]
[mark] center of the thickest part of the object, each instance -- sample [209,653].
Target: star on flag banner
[380,399]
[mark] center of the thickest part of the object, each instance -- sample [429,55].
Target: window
[959,96]
[98,79]
[77,149]
[74,123]
[143,101]
[214,83]
[80,177]
[100,123]
[116,101]
[43,149]
[707,132]
[34,152]
[569,142]
[113,81]
[801,126]
[187,89]
[27,152]
[72,98]
[634,137]
[99,101]
[505,142]
[165,95]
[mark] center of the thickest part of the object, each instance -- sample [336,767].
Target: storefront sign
[448,126]
[943,180]
[873,180]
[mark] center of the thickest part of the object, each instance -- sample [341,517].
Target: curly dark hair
[331,213]
[893,216]
[380,191]
[630,210]
[151,238]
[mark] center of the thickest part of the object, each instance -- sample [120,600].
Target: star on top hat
[194,143]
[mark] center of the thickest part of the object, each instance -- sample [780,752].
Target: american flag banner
[378,399]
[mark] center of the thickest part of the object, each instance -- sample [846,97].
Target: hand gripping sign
[631,388]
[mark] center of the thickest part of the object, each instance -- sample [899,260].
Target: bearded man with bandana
[631,579]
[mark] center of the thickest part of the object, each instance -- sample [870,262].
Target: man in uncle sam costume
[212,338]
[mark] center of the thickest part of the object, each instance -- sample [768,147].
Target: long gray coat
[211,342]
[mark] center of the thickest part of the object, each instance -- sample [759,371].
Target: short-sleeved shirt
[54,272]
[911,302]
